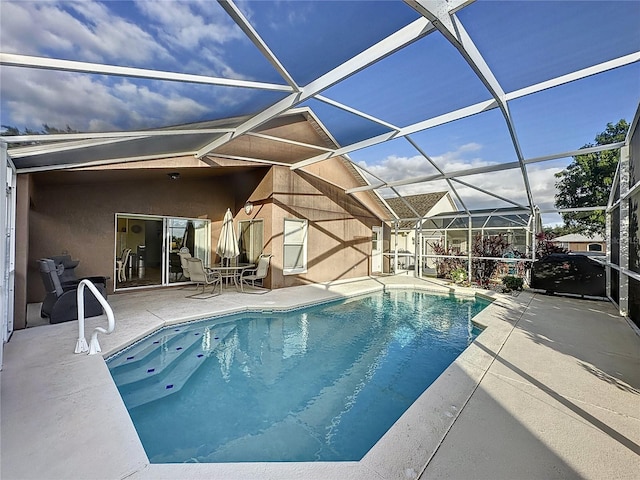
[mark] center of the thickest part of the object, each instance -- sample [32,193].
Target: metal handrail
[94,346]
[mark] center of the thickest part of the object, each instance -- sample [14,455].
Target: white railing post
[94,346]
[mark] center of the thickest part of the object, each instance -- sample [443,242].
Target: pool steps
[154,365]
[140,351]
[137,368]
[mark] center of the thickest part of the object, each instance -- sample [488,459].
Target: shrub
[512,283]
[544,245]
[489,246]
[445,266]
[459,275]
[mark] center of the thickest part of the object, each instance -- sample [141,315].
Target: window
[295,246]
[594,247]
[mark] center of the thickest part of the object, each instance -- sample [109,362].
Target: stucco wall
[24,188]
[339,229]
[584,246]
[79,218]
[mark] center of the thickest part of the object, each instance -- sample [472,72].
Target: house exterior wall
[444,205]
[339,227]
[582,246]
[406,239]
[24,189]
[78,217]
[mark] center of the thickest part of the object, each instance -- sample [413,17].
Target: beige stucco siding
[339,228]
[78,218]
[69,213]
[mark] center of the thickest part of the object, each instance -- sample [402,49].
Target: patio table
[231,272]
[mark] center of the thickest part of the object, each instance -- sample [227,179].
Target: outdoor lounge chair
[199,275]
[60,303]
[256,274]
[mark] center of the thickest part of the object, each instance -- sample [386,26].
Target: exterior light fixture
[174,175]
[248,207]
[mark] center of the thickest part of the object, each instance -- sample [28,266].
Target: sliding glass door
[186,234]
[147,247]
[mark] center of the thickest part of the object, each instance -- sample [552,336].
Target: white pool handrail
[94,346]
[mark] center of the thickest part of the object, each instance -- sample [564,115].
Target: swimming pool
[319,384]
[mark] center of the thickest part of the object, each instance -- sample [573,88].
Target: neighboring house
[442,226]
[303,217]
[405,209]
[577,242]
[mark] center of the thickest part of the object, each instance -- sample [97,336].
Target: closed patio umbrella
[228,242]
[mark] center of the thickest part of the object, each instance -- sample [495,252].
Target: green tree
[46,129]
[587,181]
[9,130]
[559,230]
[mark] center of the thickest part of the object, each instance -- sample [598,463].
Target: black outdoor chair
[175,265]
[68,273]
[60,304]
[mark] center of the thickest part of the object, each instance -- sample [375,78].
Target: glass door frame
[255,228]
[166,247]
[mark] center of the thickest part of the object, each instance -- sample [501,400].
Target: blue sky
[522,42]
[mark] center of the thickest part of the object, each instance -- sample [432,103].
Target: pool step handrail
[94,346]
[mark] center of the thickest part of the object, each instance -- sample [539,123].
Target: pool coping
[403,452]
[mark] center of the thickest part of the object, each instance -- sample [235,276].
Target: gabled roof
[283,140]
[422,204]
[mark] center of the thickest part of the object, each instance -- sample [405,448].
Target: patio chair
[256,274]
[60,304]
[121,265]
[175,265]
[67,265]
[184,255]
[201,277]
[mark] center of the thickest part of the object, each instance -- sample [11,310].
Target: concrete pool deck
[550,389]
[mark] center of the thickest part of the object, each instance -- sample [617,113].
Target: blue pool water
[319,384]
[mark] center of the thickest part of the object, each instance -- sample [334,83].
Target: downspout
[395,250]
[419,252]
[469,249]
[416,249]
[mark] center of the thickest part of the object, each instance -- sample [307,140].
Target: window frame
[303,244]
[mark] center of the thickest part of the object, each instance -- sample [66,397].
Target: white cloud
[85,103]
[507,183]
[92,33]
[395,167]
[195,32]
[190,24]
[190,37]
[180,36]
[285,14]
